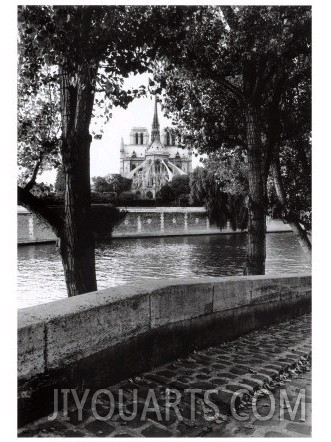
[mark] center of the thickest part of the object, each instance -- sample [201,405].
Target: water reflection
[41,279]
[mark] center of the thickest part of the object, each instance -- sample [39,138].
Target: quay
[140,223]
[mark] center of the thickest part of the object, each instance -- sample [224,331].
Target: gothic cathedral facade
[153,162]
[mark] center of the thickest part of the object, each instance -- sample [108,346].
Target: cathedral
[152,162]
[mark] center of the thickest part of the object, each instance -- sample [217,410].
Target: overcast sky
[105,153]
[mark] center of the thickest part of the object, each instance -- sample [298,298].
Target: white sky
[105,153]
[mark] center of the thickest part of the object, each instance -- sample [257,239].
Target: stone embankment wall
[140,222]
[102,337]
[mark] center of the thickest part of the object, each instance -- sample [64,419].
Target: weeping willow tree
[223,205]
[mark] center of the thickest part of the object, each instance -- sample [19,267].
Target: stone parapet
[102,337]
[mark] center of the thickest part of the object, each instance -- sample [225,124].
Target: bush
[112,183]
[57,199]
[126,198]
[180,185]
[166,194]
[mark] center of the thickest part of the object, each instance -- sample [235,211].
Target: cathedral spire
[155,132]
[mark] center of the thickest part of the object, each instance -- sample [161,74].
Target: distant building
[151,163]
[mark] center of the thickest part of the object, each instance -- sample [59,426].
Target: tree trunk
[291,218]
[256,252]
[77,244]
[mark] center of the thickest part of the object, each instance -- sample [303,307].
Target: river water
[120,261]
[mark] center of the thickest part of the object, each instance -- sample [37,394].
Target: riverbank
[140,223]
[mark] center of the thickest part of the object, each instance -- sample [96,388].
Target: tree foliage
[175,190]
[180,185]
[38,130]
[166,194]
[84,51]
[224,85]
[222,207]
[112,183]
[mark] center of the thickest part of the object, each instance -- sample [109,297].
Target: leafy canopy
[112,183]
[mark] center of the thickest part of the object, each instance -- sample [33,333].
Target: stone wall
[140,222]
[99,338]
[31,230]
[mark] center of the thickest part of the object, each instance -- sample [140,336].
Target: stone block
[78,335]
[231,294]
[30,350]
[180,302]
[277,289]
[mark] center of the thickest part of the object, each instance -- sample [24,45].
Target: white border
[321,205]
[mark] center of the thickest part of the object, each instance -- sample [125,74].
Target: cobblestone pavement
[172,400]
[274,420]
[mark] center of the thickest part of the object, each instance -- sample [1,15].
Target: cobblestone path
[172,400]
[276,421]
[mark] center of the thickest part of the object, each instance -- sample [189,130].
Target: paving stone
[296,417]
[49,427]
[178,385]
[269,371]
[202,376]
[30,433]
[261,377]
[222,398]
[218,381]
[299,428]
[99,428]
[251,382]
[73,433]
[275,434]
[166,373]
[203,385]
[240,371]
[76,419]
[219,366]
[239,386]
[184,379]
[228,375]
[133,423]
[154,431]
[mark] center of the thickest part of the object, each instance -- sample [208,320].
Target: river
[120,261]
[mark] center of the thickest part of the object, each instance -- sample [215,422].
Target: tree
[166,194]
[286,124]
[101,184]
[180,185]
[112,183]
[222,206]
[37,131]
[244,54]
[118,183]
[290,133]
[90,50]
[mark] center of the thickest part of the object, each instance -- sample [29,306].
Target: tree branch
[234,90]
[290,217]
[32,181]
[35,205]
